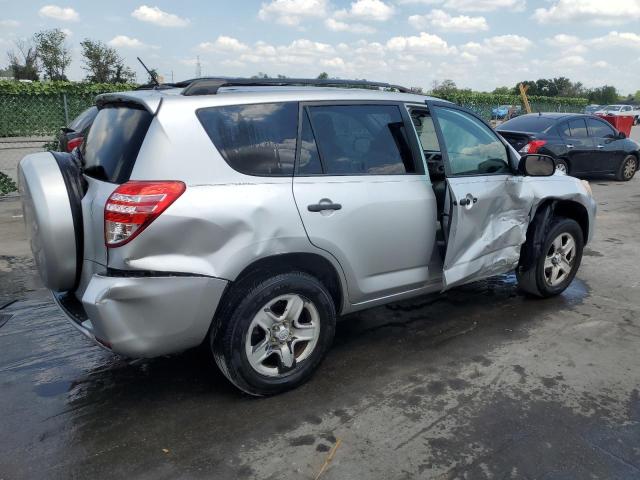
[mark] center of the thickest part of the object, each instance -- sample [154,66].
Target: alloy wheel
[282,334]
[629,168]
[560,259]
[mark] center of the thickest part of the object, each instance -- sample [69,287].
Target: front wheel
[272,336]
[557,262]
[627,169]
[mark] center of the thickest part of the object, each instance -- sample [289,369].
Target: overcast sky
[479,44]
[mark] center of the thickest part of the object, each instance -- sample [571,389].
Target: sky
[480,44]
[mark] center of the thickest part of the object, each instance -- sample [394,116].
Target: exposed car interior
[429,141]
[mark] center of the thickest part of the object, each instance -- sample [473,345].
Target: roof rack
[210,86]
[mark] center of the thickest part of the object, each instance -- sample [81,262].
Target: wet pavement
[481,382]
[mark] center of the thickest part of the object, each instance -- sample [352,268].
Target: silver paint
[48,218]
[381,244]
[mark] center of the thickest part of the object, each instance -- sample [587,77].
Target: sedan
[72,136]
[580,144]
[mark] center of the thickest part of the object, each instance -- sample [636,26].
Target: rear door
[488,211]
[609,149]
[581,149]
[363,195]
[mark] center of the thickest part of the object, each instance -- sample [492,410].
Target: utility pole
[198,67]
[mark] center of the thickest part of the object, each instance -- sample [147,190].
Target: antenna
[198,67]
[152,75]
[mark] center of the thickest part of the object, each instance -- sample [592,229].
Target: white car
[621,110]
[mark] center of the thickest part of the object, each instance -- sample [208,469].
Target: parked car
[622,110]
[72,135]
[591,109]
[247,218]
[506,111]
[580,144]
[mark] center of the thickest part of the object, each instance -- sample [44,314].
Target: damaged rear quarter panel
[218,230]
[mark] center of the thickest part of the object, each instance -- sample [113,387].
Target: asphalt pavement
[481,382]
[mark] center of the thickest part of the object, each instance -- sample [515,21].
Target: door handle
[467,201]
[570,146]
[599,146]
[319,207]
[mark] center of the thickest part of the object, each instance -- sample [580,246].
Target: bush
[37,108]
[483,103]
[7,185]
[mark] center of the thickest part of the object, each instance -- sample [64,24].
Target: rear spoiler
[149,100]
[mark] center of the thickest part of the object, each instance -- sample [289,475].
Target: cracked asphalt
[481,382]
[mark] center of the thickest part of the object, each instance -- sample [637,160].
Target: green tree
[603,95]
[445,87]
[103,64]
[24,63]
[323,76]
[502,91]
[53,53]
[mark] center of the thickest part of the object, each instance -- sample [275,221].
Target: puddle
[52,389]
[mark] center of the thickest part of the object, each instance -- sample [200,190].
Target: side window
[471,146]
[577,128]
[426,131]
[599,129]
[309,160]
[564,129]
[256,139]
[361,139]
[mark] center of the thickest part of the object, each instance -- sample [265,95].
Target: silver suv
[248,214]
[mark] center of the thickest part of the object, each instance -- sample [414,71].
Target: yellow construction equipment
[523,94]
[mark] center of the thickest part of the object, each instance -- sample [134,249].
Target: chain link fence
[39,115]
[44,114]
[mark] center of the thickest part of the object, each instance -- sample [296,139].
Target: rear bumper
[145,316]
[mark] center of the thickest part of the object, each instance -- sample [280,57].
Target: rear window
[527,124]
[84,120]
[112,145]
[257,139]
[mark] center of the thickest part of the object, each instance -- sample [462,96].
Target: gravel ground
[481,382]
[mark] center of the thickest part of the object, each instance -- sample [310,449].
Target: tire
[538,279]
[628,168]
[562,165]
[273,302]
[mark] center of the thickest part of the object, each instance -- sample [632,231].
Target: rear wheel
[274,332]
[627,169]
[558,261]
[562,166]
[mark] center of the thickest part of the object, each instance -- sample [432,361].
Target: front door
[609,149]
[487,207]
[363,195]
[581,149]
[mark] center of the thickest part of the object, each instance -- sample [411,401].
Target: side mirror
[536,165]
[622,135]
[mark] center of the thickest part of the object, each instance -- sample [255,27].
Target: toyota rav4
[248,214]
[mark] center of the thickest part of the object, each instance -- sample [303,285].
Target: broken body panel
[226,221]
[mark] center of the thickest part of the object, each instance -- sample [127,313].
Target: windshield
[615,108]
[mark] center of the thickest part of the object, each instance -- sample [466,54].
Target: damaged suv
[248,214]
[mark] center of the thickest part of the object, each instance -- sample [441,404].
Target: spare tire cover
[49,218]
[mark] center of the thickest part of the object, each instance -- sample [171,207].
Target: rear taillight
[533,146]
[133,206]
[73,143]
